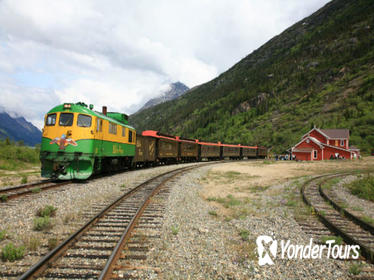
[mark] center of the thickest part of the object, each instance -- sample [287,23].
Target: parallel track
[342,225]
[26,189]
[92,251]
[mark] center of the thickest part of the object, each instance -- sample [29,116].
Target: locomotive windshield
[84,121]
[66,119]
[50,120]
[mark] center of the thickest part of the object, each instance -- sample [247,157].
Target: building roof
[336,133]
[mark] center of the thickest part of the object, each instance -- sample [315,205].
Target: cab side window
[84,120]
[50,120]
[123,131]
[130,136]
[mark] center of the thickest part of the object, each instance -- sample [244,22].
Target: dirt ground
[11,178]
[243,179]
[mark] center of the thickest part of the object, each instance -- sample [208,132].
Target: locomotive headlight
[67,106]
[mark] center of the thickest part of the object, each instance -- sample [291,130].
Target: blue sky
[122,53]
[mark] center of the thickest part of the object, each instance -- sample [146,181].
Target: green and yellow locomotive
[78,141]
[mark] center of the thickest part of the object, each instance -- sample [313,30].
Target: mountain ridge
[19,129]
[176,89]
[318,72]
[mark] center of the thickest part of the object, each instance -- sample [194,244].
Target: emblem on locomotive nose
[63,142]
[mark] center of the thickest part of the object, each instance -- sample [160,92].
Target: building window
[342,143]
[112,128]
[315,154]
[124,131]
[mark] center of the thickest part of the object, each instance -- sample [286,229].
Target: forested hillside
[318,72]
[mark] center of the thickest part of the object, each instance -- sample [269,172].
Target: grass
[363,188]
[32,242]
[357,208]
[36,190]
[291,203]
[4,198]
[46,211]
[227,202]
[244,234]
[330,183]
[213,213]
[338,240]
[355,268]
[122,187]
[42,223]
[24,179]
[3,234]
[11,253]
[368,220]
[174,230]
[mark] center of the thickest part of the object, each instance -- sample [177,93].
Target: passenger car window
[84,120]
[130,136]
[112,128]
[50,120]
[66,119]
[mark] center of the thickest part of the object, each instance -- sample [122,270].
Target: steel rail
[108,269]
[37,269]
[11,193]
[365,251]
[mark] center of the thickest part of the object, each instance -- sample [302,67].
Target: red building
[321,144]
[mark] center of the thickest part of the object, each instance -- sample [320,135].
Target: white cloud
[119,53]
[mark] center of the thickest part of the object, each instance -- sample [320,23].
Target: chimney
[104,110]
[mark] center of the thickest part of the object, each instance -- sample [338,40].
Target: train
[78,142]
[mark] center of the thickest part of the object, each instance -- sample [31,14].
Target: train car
[188,149]
[248,152]
[210,151]
[77,142]
[167,146]
[145,154]
[261,152]
[230,151]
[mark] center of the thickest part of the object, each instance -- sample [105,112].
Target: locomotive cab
[67,147]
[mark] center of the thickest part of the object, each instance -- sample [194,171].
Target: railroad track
[94,250]
[26,189]
[336,220]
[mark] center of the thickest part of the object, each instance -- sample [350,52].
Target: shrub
[42,223]
[3,197]
[46,211]
[12,253]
